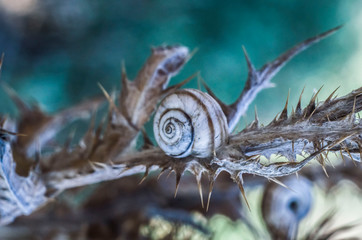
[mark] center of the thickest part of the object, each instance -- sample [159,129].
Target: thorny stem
[109,153]
[260,79]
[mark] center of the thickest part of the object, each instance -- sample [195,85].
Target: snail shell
[190,122]
[283,209]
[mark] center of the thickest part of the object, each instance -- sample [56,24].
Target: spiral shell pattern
[190,122]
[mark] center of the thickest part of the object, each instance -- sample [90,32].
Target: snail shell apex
[190,122]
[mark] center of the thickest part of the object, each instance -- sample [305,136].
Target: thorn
[344,160]
[321,159]
[251,67]
[125,83]
[198,179]
[239,181]
[144,176]
[325,171]
[255,123]
[327,159]
[280,183]
[147,141]
[340,140]
[270,69]
[100,164]
[321,162]
[312,100]
[309,110]
[92,165]
[305,112]
[208,89]
[125,169]
[211,186]
[326,153]
[330,96]
[298,108]
[349,154]
[161,172]
[274,120]
[13,133]
[177,86]
[284,114]
[20,104]
[112,164]
[354,163]
[178,178]
[192,54]
[110,100]
[168,175]
[252,157]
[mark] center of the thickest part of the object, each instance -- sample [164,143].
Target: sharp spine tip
[211,186]
[178,178]
[239,181]
[331,95]
[284,114]
[199,186]
[298,108]
[251,67]
[144,177]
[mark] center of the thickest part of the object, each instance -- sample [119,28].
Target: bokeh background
[57,50]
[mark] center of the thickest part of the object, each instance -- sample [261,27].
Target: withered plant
[33,181]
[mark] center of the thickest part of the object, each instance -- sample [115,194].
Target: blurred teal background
[57,51]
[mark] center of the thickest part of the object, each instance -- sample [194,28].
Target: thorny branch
[106,153]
